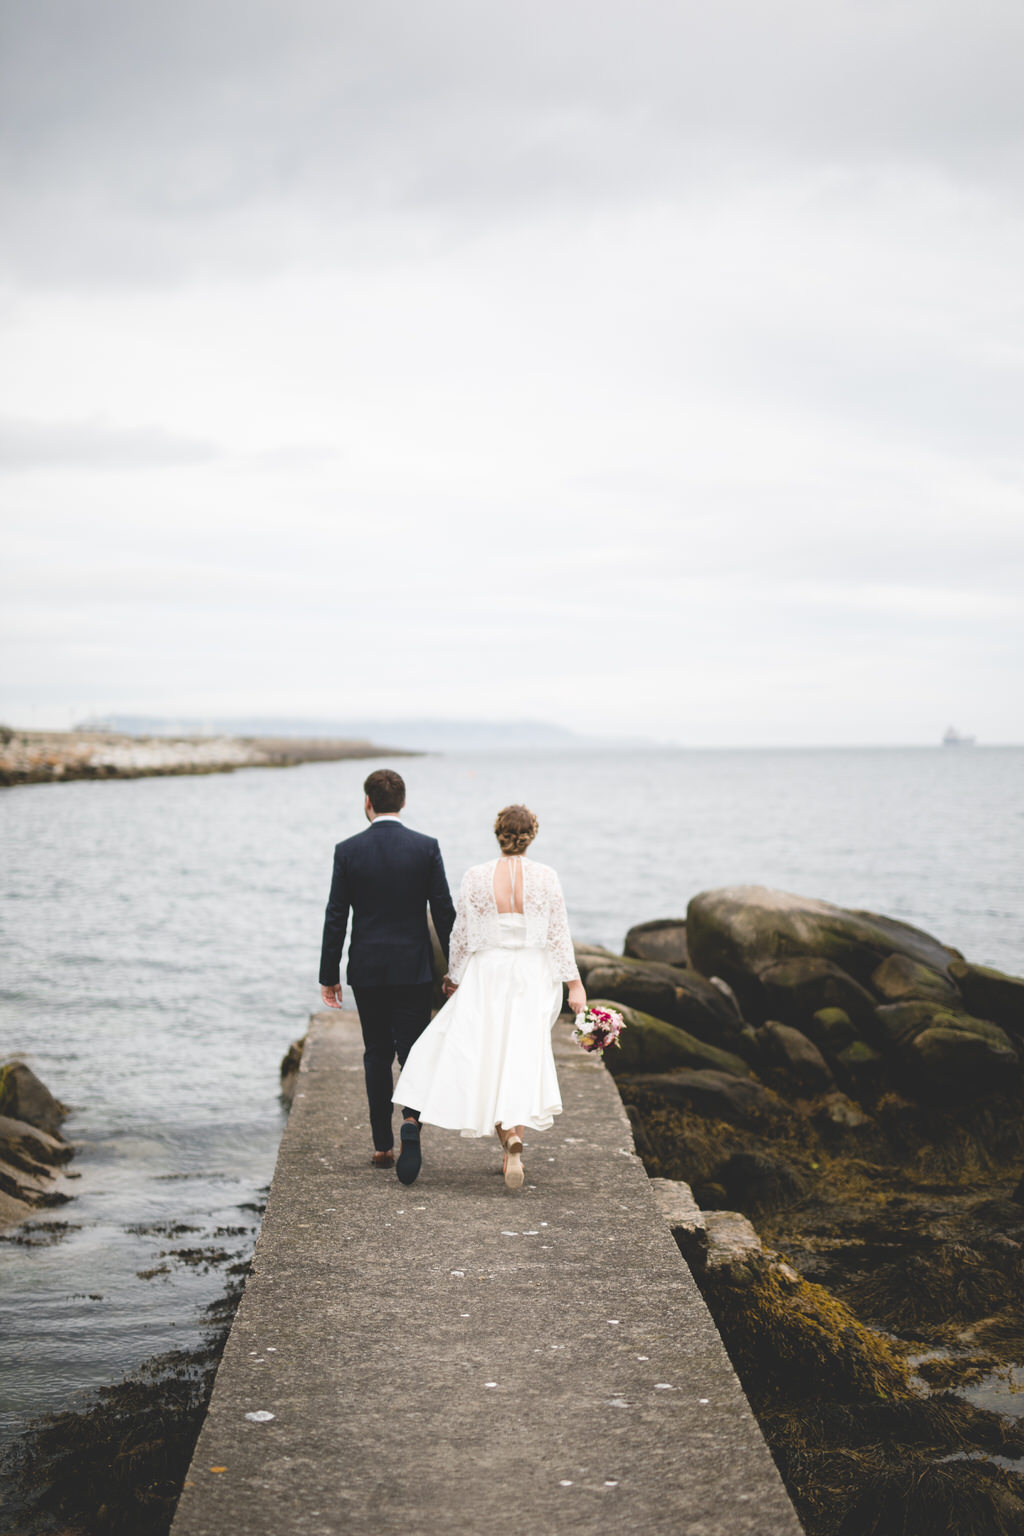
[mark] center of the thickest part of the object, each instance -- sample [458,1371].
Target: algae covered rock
[717,1095]
[832,1030]
[899,978]
[955,1064]
[900,1023]
[648,1044]
[798,1057]
[861,1067]
[992,994]
[757,1181]
[681,997]
[663,939]
[795,990]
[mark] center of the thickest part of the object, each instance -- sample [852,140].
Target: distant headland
[46,757]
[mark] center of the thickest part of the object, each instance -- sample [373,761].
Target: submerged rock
[663,939]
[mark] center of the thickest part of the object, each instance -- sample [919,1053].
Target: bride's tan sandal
[515,1173]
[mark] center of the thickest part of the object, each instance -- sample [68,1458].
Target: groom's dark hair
[386,790]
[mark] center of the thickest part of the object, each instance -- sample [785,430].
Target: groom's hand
[332,995]
[449,987]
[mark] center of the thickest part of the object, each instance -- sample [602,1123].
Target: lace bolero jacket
[547,924]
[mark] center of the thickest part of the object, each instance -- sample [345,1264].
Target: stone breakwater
[834,1101]
[44,757]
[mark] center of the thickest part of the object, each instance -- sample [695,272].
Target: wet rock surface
[869,1168]
[32,1149]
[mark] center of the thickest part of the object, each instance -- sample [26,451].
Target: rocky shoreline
[48,757]
[830,1105]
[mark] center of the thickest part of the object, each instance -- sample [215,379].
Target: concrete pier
[454,1358]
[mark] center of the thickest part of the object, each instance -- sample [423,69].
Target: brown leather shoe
[383,1159]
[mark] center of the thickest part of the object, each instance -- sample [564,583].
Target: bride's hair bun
[515,829]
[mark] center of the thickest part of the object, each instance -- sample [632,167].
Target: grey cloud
[151,138]
[26,445]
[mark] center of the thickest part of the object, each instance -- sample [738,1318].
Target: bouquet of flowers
[598,1028]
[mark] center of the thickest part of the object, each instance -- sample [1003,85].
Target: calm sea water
[160,940]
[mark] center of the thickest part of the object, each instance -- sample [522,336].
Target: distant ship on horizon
[955,738]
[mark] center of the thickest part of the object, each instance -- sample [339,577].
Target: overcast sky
[651,367]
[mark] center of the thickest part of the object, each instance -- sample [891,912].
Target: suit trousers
[392,1019]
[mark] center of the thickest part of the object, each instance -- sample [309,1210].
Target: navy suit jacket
[387,876]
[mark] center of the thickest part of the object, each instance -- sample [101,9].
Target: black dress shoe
[410,1160]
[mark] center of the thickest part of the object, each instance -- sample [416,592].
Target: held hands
[449,987]
[332,995]
[577,997]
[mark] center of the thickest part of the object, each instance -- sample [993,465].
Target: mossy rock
[992,994]
[900,978]
[795,990]
[832,1030]
[679,997]
[648,1044]
[953,1064]
[796,1056]
[714,1095]
[901,1023]
[862,1068]
[755,1182]
[791,1340]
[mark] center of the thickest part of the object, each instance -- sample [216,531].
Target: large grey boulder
[648,1044]
[740,931]
[664,938]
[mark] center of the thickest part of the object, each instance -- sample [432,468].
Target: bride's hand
[577,997]
[448,987]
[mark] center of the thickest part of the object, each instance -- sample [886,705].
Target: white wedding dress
[486,1058]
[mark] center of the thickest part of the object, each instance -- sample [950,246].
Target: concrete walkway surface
[458,1358]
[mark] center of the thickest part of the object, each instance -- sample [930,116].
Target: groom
[387,875]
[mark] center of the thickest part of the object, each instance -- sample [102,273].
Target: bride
[486,1061]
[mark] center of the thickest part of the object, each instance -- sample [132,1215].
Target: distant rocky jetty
[32,1148]
[830,1103]
[43,757]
